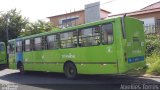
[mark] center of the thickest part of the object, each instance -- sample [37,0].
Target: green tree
[37,27]
[14,22]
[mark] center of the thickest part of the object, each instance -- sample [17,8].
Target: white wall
[149,25]
[92,12]
[148,21]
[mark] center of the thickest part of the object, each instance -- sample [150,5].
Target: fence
[151,29]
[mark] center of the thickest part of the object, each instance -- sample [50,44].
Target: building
[150,15]
[73,18]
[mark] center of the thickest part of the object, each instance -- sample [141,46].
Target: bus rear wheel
[70,70]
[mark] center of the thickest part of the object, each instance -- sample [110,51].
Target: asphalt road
[12,80]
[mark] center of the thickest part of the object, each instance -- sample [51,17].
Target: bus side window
[38,43]
[68,39]
[96,35]
[52,42]
[27,45]
[10,48]
[107,33]
[89,36]
[84,37]
[19,46]
[2,47]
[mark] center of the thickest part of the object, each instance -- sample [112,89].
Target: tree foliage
[37,27]
[153,54]
[17,25]
[12,21]
[152,44]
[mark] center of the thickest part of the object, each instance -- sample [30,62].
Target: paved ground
[12,80]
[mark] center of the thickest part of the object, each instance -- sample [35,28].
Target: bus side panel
[3,60]
[92,60]
[96,69]
[54,59]
[86,59]
[12,63]
[33,60]
[46,60]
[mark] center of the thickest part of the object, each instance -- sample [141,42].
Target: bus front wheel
[70,70]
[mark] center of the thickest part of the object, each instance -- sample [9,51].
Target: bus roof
[66,29]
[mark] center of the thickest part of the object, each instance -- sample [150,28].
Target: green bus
[111,46]
[3,55]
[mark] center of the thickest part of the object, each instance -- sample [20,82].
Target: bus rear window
[107,33]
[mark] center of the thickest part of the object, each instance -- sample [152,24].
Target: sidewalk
[150,76]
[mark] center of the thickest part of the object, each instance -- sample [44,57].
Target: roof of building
[75,12]
[138,12]
[152,6]
[148,9]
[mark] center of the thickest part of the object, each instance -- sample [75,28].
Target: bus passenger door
[19,51]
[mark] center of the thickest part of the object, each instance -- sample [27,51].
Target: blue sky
[40,9]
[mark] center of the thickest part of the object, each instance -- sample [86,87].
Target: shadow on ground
[58,81]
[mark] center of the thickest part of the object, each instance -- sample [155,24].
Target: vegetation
[153,54]
[152,57]
[13,21]
[17,25]
[36,27]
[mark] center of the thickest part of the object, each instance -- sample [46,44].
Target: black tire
[70,70]
[21,68]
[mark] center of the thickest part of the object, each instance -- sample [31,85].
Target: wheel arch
[69,61]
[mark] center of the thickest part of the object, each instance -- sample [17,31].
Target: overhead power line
[100,4]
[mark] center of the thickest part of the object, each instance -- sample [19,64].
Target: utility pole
[7,38]
[7,21]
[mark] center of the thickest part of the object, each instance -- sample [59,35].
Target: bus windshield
[2,47]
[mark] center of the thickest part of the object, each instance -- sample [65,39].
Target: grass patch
[153,63]
[153,54]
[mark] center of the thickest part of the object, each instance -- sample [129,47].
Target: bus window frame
[19,46]
[47,43]
[13,45]
[98,25]
[112,32]
[1,44]
[41,44]
[74,30]
[30,45]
